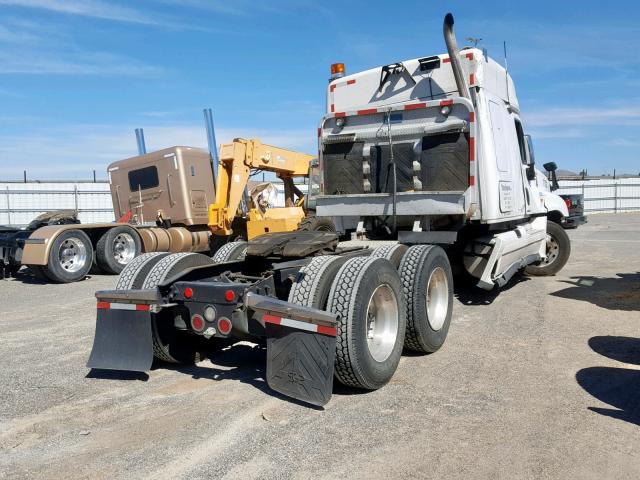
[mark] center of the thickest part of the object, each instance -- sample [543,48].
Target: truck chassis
[322,310]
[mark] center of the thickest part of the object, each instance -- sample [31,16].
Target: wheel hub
[553,250]
[72,254]
[382,323]
[437,298]
[124,248]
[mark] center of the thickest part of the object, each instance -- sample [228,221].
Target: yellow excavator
[237,160]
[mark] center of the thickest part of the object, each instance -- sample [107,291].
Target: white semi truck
[423,164]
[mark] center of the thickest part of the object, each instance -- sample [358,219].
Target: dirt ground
[540,380]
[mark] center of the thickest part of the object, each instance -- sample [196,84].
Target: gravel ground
[541,380]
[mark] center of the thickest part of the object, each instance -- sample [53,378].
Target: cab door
[511,192]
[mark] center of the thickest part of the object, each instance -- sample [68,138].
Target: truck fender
[38,245]
[555,204]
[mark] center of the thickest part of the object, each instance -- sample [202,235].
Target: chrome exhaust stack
[452,49]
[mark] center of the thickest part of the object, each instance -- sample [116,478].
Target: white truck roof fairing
[428,78]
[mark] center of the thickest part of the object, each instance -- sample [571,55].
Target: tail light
[197,322]
[337,70]
[224,325]
[567,202]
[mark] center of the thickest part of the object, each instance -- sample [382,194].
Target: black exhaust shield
[122,340]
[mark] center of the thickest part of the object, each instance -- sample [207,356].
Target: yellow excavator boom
[237,159]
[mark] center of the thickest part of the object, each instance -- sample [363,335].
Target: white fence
[21,202]
[606,195]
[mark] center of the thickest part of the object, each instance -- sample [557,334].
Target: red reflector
[224,325]
[188,292]
[368,111]
[567,202]
[143,308]
[445,103]
[327,330]
[472,149]
[472,180]
[229,296]
[271,319]
[103,305]
[415,106]
[197,322]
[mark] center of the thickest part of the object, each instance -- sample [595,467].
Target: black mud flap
[122,340]
[300,363]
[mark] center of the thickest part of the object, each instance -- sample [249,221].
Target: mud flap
[300,359]
[123,338]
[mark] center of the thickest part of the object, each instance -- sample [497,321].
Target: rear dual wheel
[116,248]
[70,258]
[148,271]
[367,296]
[427,283]
[397,297]
[231,252]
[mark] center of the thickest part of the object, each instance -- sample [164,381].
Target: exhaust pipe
[452,48]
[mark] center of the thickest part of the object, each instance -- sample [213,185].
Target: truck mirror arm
[554,181]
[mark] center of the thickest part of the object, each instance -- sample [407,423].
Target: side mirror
[550,167]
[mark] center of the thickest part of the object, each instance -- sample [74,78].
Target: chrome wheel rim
[72,254]
[382,323]
[437,298]
[124,248]
[553,250]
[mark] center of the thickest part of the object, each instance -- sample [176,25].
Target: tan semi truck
[164,201]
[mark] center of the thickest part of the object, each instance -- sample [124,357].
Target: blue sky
[78,76]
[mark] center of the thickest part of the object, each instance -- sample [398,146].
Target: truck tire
[427,283]
[231,252]
[367,296]
[70,257]
[558,252]
[117,247]
[313,282]
[170,344]
[135,273]
[317,224]
[392,252]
